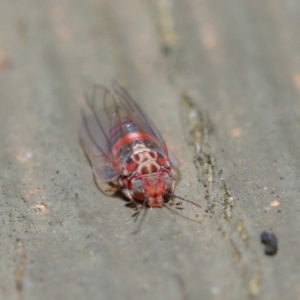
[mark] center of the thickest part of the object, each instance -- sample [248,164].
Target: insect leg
[172,191]
[128,194]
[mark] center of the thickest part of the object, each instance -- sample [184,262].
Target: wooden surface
[221,79]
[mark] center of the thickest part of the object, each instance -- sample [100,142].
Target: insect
[125,148]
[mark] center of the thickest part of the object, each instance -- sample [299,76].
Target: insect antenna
[179,214]
[183,199]
[169,207]
[140,210]
[143,207]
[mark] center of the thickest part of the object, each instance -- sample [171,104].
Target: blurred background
[221,80]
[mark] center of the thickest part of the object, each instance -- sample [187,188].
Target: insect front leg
[171,198]
[128,194]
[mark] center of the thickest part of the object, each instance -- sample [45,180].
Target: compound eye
[168,181]
[137,186]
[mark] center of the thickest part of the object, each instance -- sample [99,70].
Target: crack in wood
[219,202]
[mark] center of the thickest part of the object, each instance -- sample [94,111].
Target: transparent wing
[103,113]
[139,118]
[97,113]
[142,121]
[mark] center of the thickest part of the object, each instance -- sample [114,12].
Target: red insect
[125,148]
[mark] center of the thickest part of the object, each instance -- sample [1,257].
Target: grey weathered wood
[221,75]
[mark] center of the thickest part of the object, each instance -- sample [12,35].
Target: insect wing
[98,113]
[139,118]
[103,112]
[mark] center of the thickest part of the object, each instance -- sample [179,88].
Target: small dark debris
[270,241]
[57,171]
[197,216]
[179,207]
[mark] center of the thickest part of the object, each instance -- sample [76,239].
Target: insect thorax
[144,160]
